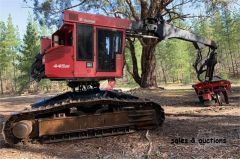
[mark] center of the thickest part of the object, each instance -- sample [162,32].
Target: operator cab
[87,47]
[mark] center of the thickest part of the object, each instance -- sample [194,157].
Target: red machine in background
[89,48]
[213,91]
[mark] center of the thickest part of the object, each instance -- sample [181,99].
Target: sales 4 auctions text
[199,140]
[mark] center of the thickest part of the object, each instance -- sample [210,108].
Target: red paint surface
[207,96]
[59,62]
[58,57]
[208,89]
[45,44]
[97,20]
[213,85]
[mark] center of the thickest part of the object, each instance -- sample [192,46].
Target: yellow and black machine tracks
[82,115]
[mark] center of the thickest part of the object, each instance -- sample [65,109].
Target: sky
[18,13]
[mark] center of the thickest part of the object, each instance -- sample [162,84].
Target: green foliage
[173,57]
[226,32]
[11,37]
[30,48]
[214,5]
[9,47]
[11,42]
[45,85]
[3,55]
[224,75]
[3,52]
[16,60]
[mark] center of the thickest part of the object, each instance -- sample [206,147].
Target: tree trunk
[1,82]
[164,73]
[230,47]
[237,63]
[148,63]
[231,58]
[134,73]
[14,76]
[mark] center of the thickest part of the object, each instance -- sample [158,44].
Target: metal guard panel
[73,124]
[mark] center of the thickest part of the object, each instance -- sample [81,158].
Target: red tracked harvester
[86,49]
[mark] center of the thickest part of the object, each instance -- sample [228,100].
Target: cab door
[109,44]
[84,60]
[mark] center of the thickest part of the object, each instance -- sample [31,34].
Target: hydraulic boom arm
[162,31]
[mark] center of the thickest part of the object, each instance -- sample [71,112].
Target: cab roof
[97,20]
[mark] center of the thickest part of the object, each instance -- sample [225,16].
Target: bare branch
[152,8]
[144,9]
[165,3]
[55,11]
[132,9]
[180,4]
[115,13]
[81,3]
[134,72]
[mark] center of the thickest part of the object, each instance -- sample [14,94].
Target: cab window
[84,42]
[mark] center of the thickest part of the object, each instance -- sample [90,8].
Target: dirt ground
[190,131]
